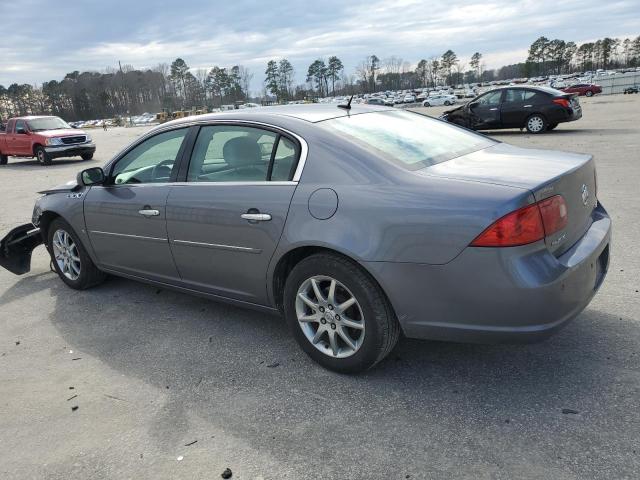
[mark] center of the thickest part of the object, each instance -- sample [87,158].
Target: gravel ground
[152,371]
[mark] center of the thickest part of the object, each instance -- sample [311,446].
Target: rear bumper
[496,295]
[71,150]
[16,248]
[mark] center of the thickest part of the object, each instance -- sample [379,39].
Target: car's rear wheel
[4,159]
[589,93]
[42,156]
[447,103]
[426,104]
[87,156]
[536,123]
[339,314]
[70,260]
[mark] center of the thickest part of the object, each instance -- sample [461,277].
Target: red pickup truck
[44,138]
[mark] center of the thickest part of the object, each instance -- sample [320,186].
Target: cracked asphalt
[152,371]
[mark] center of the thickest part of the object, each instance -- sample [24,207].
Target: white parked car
[439,99]
[409,98]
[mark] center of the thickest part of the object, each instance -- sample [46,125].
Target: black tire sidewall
[369,297]
[46,159]
[85,261]
[87,156]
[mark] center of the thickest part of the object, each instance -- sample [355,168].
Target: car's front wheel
[426,104]
[87,156]
[339,314]
[42,156]
[589,93]
[70,260]
[447,103]
[536,123]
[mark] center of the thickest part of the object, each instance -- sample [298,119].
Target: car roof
[540,88]
[312,113]
[34,117]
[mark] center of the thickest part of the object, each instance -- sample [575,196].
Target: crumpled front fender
[16,248]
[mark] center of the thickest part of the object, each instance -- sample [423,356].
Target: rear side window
[533,97]
[408,139]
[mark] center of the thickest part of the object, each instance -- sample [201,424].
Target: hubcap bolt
[322,309]
[337,317]
[333,326]
[330,307]
[323,321]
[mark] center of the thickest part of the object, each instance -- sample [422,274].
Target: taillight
[562,102]
[525,225]
[554,214]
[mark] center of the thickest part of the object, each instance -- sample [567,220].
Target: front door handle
[493,109]
[149,212]
[256,217]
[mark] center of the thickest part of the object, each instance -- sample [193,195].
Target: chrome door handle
[492,109]
[256,217]
[148,212]
[528,106]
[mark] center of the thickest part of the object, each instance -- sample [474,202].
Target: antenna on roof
[348,105]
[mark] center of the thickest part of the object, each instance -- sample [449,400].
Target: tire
[377,327]
[80,274]
[4,159]
[536,123]
[447,103]
[426,104]
[589,93]
[87,156]
[551,126]
[42,156]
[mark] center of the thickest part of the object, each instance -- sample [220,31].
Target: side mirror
[472,104]
[91,176]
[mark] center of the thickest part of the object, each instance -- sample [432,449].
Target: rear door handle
[492,109]
[149,212]
[256,217]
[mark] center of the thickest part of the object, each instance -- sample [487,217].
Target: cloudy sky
[45,39]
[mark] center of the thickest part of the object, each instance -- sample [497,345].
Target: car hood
[447,112]
[71,185]
[61,133]
[504,164]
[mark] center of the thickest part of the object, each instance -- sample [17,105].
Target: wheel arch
[291,258]
[34,147]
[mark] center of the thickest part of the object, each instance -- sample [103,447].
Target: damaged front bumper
[16,248]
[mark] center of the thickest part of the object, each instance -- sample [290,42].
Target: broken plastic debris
[227,473]
[180,458]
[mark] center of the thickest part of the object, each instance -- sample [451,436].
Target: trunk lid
[545,173]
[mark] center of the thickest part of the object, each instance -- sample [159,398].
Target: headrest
[241,151]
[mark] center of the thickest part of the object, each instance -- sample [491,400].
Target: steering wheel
[162,170]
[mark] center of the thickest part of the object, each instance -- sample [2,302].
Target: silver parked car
[355,223]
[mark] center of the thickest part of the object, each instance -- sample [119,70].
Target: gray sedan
[355,223]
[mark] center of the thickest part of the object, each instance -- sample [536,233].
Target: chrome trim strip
[218,246]
[231,184]
[138,237]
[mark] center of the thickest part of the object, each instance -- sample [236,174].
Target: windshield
[408,139]
[47,123]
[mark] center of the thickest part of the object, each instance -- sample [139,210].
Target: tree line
[126,90]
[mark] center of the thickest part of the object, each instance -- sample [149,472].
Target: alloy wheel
[40,156]
[66,254]
[330,316]
[535,124]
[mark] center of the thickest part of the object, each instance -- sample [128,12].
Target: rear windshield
[408,139]
[47,123]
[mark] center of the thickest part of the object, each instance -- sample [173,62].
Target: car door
[20,139]
[514,110]
[126,217]
[485,110]
[225,220]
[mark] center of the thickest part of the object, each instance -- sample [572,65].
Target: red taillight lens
[526,225]
[562,102]
[516,228]
[554,214]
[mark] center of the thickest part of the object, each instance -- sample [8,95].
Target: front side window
[20,126]
[408,139]
[151,161]
[491,98]
[235,153]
